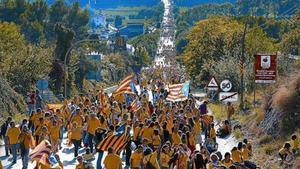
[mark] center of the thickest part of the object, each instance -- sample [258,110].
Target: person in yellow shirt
[295,143]
[212,132]
[38,129]
[197,130]
[230,111]
[147,132]
[80,164]
[176,139]
[92,125]
[77,118]
[214,162]
[245,153]
[136,132]
[13,139]
[156,141]
[164,157]
[136,158]
[25,140]
[236,155]
[54,135]
[150,159]
[76,138]
[112,160]
[191,141]
[227,162]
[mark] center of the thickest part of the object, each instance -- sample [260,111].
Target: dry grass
[265,139]
[238,134]
[219,111]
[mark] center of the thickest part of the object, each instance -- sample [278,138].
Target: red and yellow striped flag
[135,105]
[124,86]
[41,153]
[116,140]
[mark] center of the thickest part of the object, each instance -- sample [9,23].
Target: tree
[290,43]
[20,63]
[209,41]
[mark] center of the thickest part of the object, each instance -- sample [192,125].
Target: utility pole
[242,65]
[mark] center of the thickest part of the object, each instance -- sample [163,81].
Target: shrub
[265,139]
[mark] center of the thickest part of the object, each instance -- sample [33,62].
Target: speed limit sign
[226,85]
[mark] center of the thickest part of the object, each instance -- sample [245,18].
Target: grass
[219,111]
[238,134]
[265,139]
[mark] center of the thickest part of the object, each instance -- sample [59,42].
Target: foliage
[114,68]
[290,43]
[265,139]
[148,41]
[238,134]
[209,41]
[20,63]
[37,20]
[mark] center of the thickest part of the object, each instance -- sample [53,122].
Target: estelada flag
[135,105]
[41,153]
[117,140]
[178,92]
[126,86]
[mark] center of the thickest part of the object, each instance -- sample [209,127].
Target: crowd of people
[161,134]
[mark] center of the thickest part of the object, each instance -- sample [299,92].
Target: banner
[265,68]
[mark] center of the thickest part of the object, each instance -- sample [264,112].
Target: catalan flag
[178,92]
[126,86]
[135,105]
[117,140]
[41,153]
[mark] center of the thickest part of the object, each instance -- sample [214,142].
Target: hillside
[105,4]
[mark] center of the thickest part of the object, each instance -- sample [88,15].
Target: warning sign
[213,84]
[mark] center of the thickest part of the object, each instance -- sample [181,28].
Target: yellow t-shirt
[13,135]
[148,133]
[227,164]
[283,151]
[176,138]
[236,156]
[112,161]
[209,166]
[76,134]
[78,119]
[136,132]
[156,141]
[152,158]
[79,166]
[136,159]
[25,139]
[93,124]
[197,127]
[54,133]
[192,140]
[164,160]
[245,154]
[212,133]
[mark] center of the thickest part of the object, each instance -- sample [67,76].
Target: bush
[269,149]
[265,139]
[238,133]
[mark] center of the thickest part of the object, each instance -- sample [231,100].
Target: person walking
[4,129]
[112,160]
[25,140]
[13,134]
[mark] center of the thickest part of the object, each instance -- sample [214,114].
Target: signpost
[228,96]
[42,85]
[265,68]
[213,84]
[226,85]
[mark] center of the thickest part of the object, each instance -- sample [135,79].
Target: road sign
[213,84]
[228,96]
[42,84]
[226,85]
[265,68]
